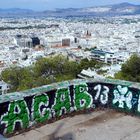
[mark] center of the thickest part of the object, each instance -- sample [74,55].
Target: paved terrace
[99,125]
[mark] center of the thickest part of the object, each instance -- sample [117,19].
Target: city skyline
[39,5]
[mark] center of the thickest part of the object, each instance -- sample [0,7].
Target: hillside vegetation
[45,71]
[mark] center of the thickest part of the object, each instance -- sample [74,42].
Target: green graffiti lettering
[82,98]
[17,112]
[40,111]
[62,101]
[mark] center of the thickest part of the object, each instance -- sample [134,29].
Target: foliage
[17,76]
[130,70]
[85,64]
[45,71]
[101,72]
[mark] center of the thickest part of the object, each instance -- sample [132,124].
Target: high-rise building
[66,42]
[35,41]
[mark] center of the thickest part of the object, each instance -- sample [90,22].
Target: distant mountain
[15,12]
[125,8]
[109,10]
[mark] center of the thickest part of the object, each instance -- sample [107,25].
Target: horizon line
[68,7]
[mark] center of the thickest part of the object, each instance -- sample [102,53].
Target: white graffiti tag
[122,96]
[102,94]
[139,104]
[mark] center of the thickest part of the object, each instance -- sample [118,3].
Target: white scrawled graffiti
[102,94]
[138,109]
[122,96]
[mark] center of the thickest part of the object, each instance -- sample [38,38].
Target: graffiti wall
[19,111]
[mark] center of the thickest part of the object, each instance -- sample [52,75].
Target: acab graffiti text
[22,114]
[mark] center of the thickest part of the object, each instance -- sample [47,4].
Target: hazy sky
[52,4]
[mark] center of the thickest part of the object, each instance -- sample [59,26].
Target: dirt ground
[100,125]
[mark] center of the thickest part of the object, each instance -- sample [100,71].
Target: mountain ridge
[106,10]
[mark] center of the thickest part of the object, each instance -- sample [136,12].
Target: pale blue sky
[52,4]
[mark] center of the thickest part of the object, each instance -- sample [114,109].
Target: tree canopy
[45,71]
[130,70]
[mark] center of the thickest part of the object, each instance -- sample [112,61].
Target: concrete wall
[22,110]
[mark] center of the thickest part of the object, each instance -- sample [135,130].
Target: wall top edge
[39,90]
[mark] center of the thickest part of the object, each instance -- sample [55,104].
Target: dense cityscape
[111,40]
